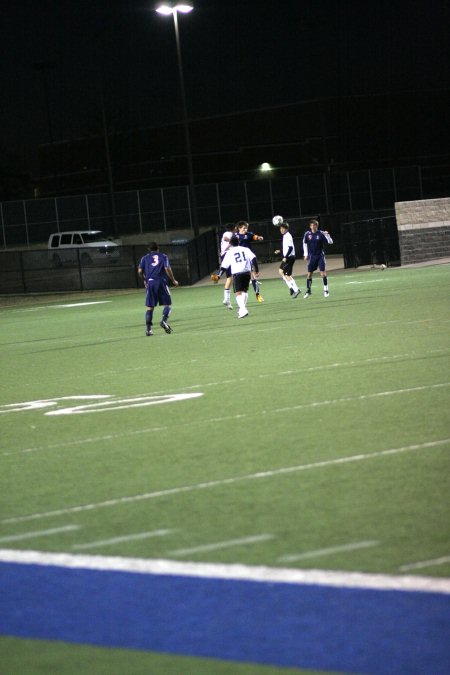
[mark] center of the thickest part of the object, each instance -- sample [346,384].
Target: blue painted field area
[286,624]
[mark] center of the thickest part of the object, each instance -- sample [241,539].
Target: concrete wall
[423,229]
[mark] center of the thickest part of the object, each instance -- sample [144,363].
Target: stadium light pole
[167,9]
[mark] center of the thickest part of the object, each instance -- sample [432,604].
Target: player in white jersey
[224,246]
[288,260]
[242,262]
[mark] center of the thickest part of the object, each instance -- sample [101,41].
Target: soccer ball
[277,220]
[383,267]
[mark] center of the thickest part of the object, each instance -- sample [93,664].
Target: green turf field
[314,434]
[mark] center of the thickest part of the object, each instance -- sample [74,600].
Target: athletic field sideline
[257,496]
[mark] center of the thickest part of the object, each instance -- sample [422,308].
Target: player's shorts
[287,267]
[241,282]
[157,293]
[316,261]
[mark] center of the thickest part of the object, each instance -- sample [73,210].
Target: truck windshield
[94,236]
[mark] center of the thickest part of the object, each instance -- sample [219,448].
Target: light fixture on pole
[167,9]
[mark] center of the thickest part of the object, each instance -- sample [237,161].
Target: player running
[242,262]
[246,238]
[155,270]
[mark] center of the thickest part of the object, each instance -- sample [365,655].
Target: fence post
[3,225]
[139,211]
[87,211]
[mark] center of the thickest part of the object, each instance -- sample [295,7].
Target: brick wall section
[423,229]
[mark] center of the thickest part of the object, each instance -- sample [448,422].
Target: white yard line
[39,533]
[72,304]
[327,551]
[236,572]
[207,421]
[226,481]
[369,281]
[426,563]
[245,541]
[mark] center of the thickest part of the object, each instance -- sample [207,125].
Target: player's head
[313,224]
[234,241]
[153,246]
[284,227]
[242,226]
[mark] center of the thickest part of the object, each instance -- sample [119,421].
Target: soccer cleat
[259,297]
[307,294]
[166,326]
[326,294]
[296,294]
[291,291]
[149,332]
[228,305]
[242,314]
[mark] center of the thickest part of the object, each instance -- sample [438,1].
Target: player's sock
[255,285]
[308,285]
[240,300]
[226,296]
[294,286]
[166,312]
[148,318]
[325,283]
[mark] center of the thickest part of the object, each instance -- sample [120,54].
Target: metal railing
[27,223]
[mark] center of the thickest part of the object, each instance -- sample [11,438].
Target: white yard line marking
[369,281]
[327,551]
[72,304]
[39,533]
[207,421]
[120,540]
[222,544]
[426,563]
[377,359]
[225,481]
[236,572]
[363,397]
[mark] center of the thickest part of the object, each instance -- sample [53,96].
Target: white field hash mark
[243,541]
[39,533]
[121,540]
[238,572]
[225,481]
[425,563]
[327,551]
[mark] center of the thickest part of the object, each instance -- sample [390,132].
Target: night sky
[236,56]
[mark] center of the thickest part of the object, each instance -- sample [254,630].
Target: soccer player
[242,261]
[313,241]
[224,246]
[288,260]
[155,270]
[245,239]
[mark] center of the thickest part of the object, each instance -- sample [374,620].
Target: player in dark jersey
[313,241]
[155,270]
[246,239]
